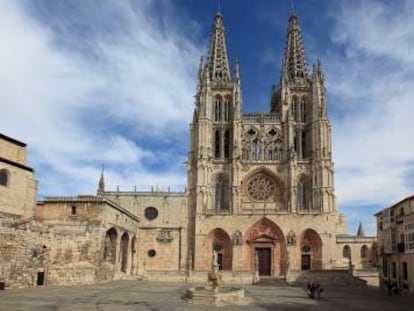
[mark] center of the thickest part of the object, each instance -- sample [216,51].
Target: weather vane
[293,5]
[218,6]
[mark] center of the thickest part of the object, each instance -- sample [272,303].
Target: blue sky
[112,82]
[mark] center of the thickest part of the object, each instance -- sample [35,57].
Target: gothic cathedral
[261,186]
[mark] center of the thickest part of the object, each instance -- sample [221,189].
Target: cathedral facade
[261,186]
[260,193]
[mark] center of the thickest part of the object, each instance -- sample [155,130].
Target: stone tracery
[260,187]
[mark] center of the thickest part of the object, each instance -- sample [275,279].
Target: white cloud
[371,86]
[83,102]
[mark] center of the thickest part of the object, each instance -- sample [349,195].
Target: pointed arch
[133,253]
[227,144]
[364,252]
[219,240]
[218,102]
[221,192]
[124,252]
[346,252]
[265,248]
[310,244]
[217,144]
[303,193]
[110,245]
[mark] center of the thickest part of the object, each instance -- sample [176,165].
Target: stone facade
[18,188]
[395,231]
[260,193]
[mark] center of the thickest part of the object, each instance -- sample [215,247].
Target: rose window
[260,187]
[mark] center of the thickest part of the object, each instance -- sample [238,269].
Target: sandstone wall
[13,150]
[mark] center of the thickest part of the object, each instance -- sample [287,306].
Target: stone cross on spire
[295,65]
[218,62]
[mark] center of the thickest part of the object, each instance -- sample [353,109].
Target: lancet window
[304,194]
[217,144]
[221,193]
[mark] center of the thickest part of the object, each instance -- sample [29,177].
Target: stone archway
[124,252]
[265,249]
[220,241]
[133,253]
[310,244]
[110,246]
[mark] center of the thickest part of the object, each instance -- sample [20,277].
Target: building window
[303,194]
[227,144]
[217,143]
[73,210]
[4,177]
[261,188]
[220,193]
[394,270]
[152,253]
[404,271]
[346,252]
[217,109]
[151,213]
[364,252]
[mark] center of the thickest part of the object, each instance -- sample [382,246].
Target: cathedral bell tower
[216,123]
[300,101]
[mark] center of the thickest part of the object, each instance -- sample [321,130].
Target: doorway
[306,262]
[264,260]
[220,260]
[40,278]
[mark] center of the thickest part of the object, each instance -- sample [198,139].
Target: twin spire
[294,67]
[218,62]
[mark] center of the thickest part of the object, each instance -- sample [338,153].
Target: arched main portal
[110,245]
[220,241]
[266,248]
[310,250]
[124,252]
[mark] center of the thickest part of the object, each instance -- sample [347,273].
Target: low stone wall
[71,274]
[21,258]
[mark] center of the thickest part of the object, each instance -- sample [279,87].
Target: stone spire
[236,72]
[360,232]
[218,62]
[295,66]
[101,186]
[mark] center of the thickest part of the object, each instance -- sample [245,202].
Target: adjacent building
[395,233]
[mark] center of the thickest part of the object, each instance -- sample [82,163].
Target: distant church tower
[260,185]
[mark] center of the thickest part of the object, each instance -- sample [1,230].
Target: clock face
[306,248]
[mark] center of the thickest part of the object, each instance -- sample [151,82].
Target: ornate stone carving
[260,187]
[164,236]
[291,238]
[237,238]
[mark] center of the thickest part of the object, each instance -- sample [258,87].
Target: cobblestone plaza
[151,296]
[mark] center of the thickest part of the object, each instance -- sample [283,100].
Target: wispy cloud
[370,77]
[83,89]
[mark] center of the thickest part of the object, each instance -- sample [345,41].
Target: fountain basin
[220,296]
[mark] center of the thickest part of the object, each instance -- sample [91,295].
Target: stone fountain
[213,293]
